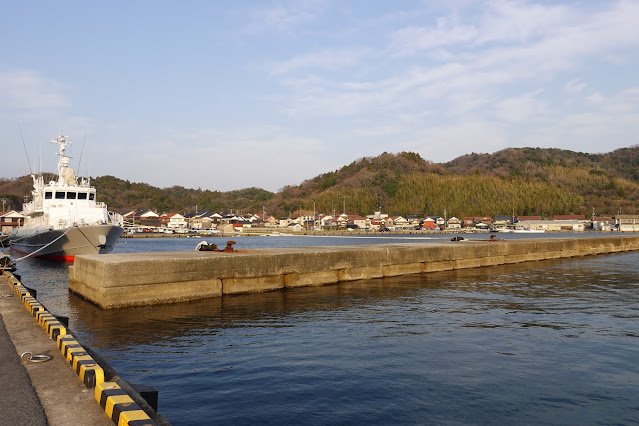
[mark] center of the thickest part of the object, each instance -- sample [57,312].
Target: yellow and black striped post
[119,406]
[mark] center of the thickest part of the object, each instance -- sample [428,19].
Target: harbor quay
[56,380]
[119,280]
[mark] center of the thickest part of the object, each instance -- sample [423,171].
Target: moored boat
[63,218]
[528,231]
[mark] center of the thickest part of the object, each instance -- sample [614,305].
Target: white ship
[63,218]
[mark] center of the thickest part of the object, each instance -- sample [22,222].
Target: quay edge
[119,280]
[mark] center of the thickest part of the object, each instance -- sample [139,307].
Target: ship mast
[65,174]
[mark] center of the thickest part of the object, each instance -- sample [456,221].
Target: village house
[377,215]
[149,218]
[603,223]
[377,224]
[502,221]
[627,223]
[174,220]
[284,221]
[229,218]
[453,223]
[194,220]
[468,222]
[413,221]
[429,224]
[10,220]
[552,225]
[355,221]
[271,222]
[397,222]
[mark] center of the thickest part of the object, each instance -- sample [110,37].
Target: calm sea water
[552,342]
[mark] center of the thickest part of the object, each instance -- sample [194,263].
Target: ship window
[48,195]
[82,195]
[72,195]
[59,195]
[91,196]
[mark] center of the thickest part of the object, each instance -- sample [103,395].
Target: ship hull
[56,245]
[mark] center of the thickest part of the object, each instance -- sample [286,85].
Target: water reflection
[546,342]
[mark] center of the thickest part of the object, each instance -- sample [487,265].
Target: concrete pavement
[38,393]
[19,404]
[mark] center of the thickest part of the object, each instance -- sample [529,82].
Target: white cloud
[520,22]
[28,90]
[446,32]
[575,86]
[556,39]
[524,108]
[596,98]
[285,16]
[325,59]
[445,142]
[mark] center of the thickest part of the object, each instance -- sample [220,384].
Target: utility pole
[3,202]
[313,215]
[344,199]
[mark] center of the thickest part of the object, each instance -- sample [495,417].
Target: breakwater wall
[118,280]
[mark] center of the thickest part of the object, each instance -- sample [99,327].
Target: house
[216,218]
[129,215]
[468,222]
[429,224]
[454,223]
[199,220]
[284,221]
[413,221]
[355,221]
[552,225]
[377,215]
[398,222]
[149,218]
[175,220]
[603,223]
[342,220]
[271,222]
[502,220]
[627,223]
[10,220]
[377,224]
[229,219]
[486,220]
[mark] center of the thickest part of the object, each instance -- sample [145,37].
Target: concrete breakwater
[118,280]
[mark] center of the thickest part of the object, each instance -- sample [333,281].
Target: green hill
[530,181]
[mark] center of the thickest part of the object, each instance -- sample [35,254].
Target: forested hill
[528,181]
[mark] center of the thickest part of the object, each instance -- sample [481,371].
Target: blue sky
[229,95]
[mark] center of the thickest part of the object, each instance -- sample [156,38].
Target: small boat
[528,231]
[63,218]
[505,230]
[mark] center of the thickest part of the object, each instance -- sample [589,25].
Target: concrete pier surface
[38,393]
[117,280]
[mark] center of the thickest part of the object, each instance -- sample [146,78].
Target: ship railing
[32,207]
[116,218]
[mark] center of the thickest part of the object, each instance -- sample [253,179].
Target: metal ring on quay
[29,357]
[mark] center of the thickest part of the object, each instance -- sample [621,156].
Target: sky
[229,95]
